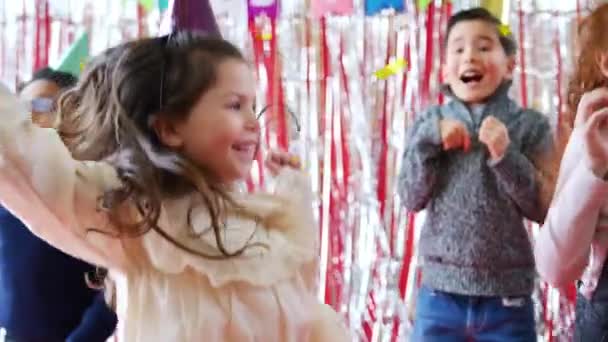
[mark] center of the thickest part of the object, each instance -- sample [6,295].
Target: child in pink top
[573,243]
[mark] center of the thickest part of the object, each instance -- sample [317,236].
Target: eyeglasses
[42,105]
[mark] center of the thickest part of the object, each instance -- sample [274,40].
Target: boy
[469,163]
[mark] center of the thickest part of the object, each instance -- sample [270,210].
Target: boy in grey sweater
[469,163]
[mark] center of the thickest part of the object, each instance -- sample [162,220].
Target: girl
[573,243]
[167,129]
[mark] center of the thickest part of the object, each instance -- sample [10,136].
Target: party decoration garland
[75,57]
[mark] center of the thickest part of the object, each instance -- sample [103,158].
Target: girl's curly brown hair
[592,42]
[108,117]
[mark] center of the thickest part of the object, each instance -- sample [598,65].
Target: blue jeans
[445,317]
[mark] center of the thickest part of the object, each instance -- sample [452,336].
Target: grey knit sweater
[474,241]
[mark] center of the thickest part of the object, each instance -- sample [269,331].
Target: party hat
[74,58]
[148,4]
[191,15]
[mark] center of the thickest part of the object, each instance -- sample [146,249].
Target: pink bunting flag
[321,8]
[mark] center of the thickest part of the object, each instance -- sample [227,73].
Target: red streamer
[446,12]
[559,75]
[428,59]
[42,35]
[265,57]
[260,62]
[338,157]
[141,20]
[384,126]
[522,56]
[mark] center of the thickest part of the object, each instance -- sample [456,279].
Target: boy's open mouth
[469,77]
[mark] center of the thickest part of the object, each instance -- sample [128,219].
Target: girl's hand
[276,160]
[596,143]
[590,103]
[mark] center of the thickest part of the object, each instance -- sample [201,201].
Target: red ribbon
[42,35]
[558,76]
[428,59]
[20,50]
[522,56]
[141,20]
[384,125]
[265,59]
[446,12]
[332,292]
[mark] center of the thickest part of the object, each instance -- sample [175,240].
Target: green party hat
[148,4]
[75,57]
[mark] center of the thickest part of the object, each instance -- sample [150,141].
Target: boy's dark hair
[482,14]
[62,79]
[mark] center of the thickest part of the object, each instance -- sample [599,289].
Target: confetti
[391,69]
[266,36]
[504,30]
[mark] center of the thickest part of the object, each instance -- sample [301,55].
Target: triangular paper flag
[148,4]
[75,57]
[326,7]
[191,15]
[373,7]
[269,8]
[424,4]
[163,5]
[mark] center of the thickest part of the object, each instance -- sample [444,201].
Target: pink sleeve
[54,195]
[562,247]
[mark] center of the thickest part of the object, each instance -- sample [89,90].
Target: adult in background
[43,293]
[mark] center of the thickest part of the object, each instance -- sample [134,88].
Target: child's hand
[276,160]
[454,135]
[596,142]
[494,134]
[589,103]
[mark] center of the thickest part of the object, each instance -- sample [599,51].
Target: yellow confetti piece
[266,36]
[391,69]
[504,30]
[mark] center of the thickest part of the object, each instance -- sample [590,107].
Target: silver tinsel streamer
[363,282]
[374,243]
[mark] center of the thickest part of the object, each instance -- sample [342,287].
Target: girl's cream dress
[163,293]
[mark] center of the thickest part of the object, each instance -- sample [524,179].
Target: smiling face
[221,132]
[476,63]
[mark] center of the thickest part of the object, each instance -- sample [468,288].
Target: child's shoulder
[531,114]
[432,112]
[531,119]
